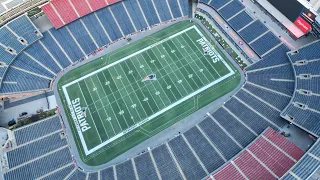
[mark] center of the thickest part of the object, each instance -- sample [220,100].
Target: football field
[125,97]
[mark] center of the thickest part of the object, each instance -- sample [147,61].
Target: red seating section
[97,4]
[82,7]
[228,172]
[62,12]
[54,18]
[284,144]
[270,156]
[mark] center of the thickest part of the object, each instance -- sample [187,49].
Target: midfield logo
[150,77]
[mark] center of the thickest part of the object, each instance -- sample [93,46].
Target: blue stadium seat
[240,20]
[136,14]
[265,43]
[122,18]
[253,31]
[231,9]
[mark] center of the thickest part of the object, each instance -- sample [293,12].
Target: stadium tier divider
[304,106]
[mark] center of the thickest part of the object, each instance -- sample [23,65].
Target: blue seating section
[218,4]
[277,100]
[122,18]
[175,8]
[309,52]
[6,56]
[95,29]
[25,62]
[250,118]
[109,24]
[40,54]
[276,57]
[187,161]
[165,163]
[309,84]
[78,31]
[206,153]
[219,138]
[2,70]
[8,39]
[184,6]
[145,167]
[265,43]
[305,118]
[261,107]
[55,50]
[16,80]
[163,10]
[231,9]
[67,43]
[313,102]
[35,149]
[312,67]
[107,174]
[240,20]
[76,175]
[93,176]
[136,14]
[149,12]
[38,130]
[41,166]
[288,177]
[24,28]
[125,171]
[306,167]
[267,81]
[238,131]
[253,31]
[61,174]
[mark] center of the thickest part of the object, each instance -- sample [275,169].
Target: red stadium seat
[53,17]
[81,7]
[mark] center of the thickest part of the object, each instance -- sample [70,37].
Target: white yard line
[87,152]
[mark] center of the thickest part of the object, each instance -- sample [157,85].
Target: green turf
[122,110]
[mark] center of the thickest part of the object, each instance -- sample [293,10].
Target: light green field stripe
[204,71]
[183,91]
[188,70]
[157,91]
[127,100]
[124,111]
[181,71]
[150,85]
[164,84]
[139,94]
[110,112]
[145,88]
[138,106]
[101,111]
[92,133]
[149,62]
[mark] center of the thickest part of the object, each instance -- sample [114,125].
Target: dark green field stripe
[85,92]
[120,118]
[101,90]
[173,92]
[126,114]
[145,104]
[98,122]
[103,81]
[109,78]
[151,101]
[107,124]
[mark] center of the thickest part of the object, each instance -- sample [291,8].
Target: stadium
[159,89]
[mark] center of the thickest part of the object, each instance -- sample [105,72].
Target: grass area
[127,96]
[221,41]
